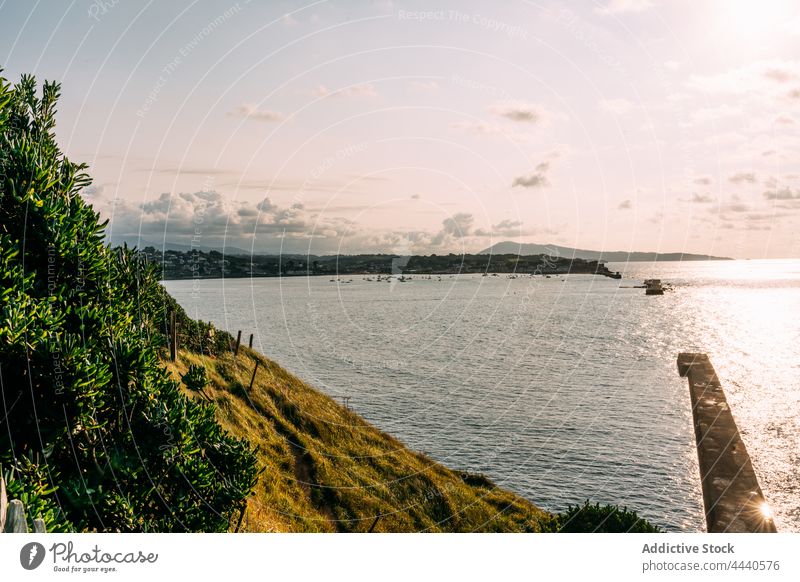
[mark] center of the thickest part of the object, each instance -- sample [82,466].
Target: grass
[325,469]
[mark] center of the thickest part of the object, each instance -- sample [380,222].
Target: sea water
[561,389]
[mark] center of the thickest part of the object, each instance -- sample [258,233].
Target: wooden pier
[731,494]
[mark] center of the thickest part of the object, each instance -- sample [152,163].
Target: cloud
[538,179]
[625,6]
[457,226]
[359,90]
[531,181]
[756,216]
[520,112]
[174,215]
[211,218]
[782,194]
[425,85]
[561,150]
[625,205]
[507,224]
[785,120]
[703,181]
[702,198]
[250,111]
[365,90]
[504,228]
[479,127]
[743,177]
[761,77]
[615,106]
[460,224]
[781,75]
[92,193]
[266,206]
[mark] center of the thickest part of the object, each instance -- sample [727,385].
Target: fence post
[250,343]
[15,518]
[173,338]
[12,514]
[238,342]
[3,501]
[253,379]
[241,517]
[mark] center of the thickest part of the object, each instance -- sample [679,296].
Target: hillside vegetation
[326,469]
[94,434]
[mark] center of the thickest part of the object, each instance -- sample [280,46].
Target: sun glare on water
[766,511]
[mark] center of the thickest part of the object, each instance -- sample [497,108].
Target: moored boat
[653,287]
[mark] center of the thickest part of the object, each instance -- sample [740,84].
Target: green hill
[326,469]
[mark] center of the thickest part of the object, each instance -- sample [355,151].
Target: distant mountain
[524,249]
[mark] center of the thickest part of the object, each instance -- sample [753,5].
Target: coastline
[179,265]
[326,469]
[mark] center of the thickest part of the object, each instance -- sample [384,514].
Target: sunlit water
[561,389]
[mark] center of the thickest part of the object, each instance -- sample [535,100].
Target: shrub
[195,378]
[110,438]
[589,518]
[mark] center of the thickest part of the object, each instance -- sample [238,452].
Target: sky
[351,126]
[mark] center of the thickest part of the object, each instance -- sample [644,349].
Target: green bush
[588,518]
[110,438]
[195,378]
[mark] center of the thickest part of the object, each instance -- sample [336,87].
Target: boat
[653,287]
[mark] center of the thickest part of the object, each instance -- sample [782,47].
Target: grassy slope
[326,469]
